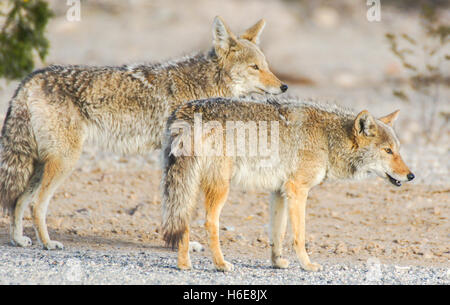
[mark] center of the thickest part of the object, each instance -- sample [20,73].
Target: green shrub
[22,36]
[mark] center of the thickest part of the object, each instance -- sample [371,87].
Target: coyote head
[243,61]
[379,145]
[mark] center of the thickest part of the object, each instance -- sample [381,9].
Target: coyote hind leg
[55,171]
[16,228]
[184,260]
[215,198]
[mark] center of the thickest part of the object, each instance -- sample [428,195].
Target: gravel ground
[35,266]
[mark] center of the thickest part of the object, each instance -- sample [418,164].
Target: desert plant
[422,56]
[22,36]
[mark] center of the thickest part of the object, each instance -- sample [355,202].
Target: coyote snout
[397,171]
[269,82]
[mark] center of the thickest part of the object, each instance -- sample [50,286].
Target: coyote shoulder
[309,143]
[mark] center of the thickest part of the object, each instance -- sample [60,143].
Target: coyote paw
[280,263]
[53,245]
[225,266]
[21,241]
[312,267]
[185,266]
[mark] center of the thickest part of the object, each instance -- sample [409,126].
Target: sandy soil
[112,209]
[113,202]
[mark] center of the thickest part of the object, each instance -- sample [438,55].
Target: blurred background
[381,56]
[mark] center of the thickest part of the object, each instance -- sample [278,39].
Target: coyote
[124,109]
[315,143]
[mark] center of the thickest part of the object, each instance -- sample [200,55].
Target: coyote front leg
[278,221]
[297,196]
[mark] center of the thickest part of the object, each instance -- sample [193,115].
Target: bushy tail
[180,186]
[17,155]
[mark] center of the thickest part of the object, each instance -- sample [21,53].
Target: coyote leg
[297,196]
[16,227]
[184,261]
[55,171]
[278,221]
[215,198]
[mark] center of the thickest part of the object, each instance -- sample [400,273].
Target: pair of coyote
[137,108]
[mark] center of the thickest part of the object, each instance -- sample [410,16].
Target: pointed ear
[365,125]
[253,33]
[223,38]
[390,118]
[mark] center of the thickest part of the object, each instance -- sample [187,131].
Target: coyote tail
[17,154]
[180,186]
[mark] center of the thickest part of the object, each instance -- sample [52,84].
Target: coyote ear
[365,124]
[223,38]
[390,118]
[252,34]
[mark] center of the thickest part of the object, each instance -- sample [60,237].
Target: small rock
[341,248]
[355,250]
[82,211]
[262,240]
[240,237]
[195,247]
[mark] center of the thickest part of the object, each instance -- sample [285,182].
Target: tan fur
[398,165]
[184,261]
[215,197]
[56,110]
[252,34]
[316,143]
[390,118]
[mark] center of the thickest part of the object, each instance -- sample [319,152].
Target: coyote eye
[255,67]
[388,150]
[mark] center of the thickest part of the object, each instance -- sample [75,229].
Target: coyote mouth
[394,181]
[261,90]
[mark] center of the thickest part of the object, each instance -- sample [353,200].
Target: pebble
[341,248]
[195,246]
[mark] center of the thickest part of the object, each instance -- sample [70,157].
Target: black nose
[283,87]
[410,176]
